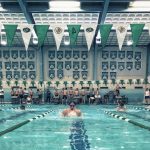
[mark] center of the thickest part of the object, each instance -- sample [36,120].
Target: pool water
[94,131]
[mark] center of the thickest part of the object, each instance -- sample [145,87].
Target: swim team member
[121,106]
[71,111]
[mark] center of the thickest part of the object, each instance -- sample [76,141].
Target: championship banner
[89,30]
[136,30]
[26,31]
[73,33]
[121,31]
[58,31]
[10,32]
[104,32]
[41,32]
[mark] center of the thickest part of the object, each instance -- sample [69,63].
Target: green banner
[73,33]
[10,33]
[105,31]
[136,30]
[41,31]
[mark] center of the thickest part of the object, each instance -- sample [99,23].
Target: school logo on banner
[89,31]
[26,31]
[58,31]
[121,31]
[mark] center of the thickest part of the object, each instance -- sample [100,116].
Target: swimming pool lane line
[140,108]
[14,127]
[137,116]
[78,137]
[127,120]
[15,116]
[12,117]
[14,108]
[2,105]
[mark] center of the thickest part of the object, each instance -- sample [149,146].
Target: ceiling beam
[70,0]
[102,16]
[104,12]
[24,9]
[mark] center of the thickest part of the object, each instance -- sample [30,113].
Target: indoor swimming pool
[95,130]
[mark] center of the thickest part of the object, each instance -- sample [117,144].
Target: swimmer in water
[22,107]
[121,106]
[71,111]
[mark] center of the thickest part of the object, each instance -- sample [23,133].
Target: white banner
[1,26]
[89,30]
[148,26]
[58,31]
[26,31]
[121,31]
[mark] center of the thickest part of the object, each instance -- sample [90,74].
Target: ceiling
[92,11]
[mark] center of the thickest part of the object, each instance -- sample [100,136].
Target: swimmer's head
[72,105]
[121,103]
[22,107]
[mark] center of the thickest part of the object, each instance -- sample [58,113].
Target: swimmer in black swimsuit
[22,107]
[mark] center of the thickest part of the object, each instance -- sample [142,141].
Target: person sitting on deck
[64,93]
[92,96]
[97,96]
[12,92]
[121,106]
[71,111]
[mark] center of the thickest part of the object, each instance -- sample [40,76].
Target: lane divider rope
[4,105]
[141,108]
[14,127]
[14,108]
[127,120]
[137,116]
